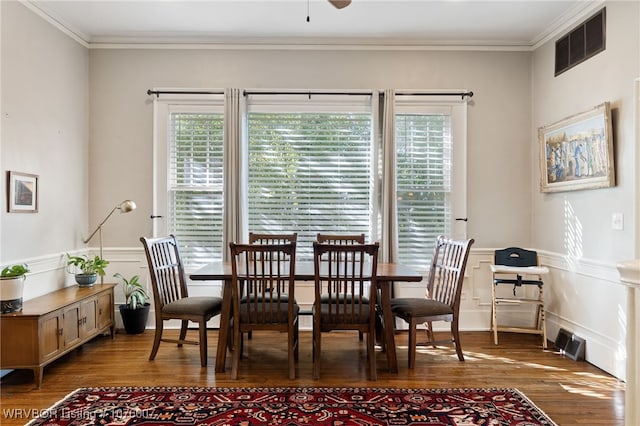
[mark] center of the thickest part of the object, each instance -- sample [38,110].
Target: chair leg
[456,338]
[183,331]
[430,335]
[156,340]
[373,373]
[543,325]
[494,315]
[291,350]
[316,352]
[412,343]
[380,331]
[202,328]
[236,354]
[230,334]
[296,352]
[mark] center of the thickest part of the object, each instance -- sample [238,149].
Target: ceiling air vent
[583,42]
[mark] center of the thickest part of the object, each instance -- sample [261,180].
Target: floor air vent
[570,345]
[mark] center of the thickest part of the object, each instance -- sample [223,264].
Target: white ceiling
[512,24]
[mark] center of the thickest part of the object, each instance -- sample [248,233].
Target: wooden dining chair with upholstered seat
[263,282]
[442,299]
[345,239]
[345,295]
[268,238]
[171,297]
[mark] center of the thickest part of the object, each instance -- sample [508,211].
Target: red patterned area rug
[292,406]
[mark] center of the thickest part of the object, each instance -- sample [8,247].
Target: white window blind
[430,152]
[310,171]
[188,178]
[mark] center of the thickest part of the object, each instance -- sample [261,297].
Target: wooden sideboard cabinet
[51,325]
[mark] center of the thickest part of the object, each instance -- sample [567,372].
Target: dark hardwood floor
[570,392]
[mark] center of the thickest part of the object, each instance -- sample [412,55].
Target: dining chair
[263,278]
[345,280]
[442,298]
[342,239]
[267,238]
[171,297]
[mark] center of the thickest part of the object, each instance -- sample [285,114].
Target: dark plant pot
[134,320]
[86,280]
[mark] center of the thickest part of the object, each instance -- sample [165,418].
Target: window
[189,188]
[429,178]
[310,167]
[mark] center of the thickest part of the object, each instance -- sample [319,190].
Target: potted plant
[135,310]
[86,269]
[11,287]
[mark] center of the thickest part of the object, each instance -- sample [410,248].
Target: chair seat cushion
[419,307]
[194,305]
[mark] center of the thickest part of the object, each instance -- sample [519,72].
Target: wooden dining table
[387,274]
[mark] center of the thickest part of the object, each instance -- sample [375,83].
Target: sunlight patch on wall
[572,236]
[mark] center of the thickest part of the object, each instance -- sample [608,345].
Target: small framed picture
[22,192]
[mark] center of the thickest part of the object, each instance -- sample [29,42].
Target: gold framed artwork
[577,152]
[22,192]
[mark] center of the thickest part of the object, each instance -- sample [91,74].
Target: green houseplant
[86,269]
[135,311]
[11,287]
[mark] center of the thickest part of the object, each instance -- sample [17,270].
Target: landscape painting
[577,152]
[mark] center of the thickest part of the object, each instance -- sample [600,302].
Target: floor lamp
[125,207]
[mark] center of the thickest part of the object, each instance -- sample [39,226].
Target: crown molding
[563,23]
[75,35]
[578,13]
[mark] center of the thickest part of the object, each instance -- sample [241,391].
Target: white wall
[574,228]
[499,118]
[45,129]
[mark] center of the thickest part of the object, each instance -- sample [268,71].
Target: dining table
[387,274]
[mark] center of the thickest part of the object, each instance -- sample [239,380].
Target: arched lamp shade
[125,207]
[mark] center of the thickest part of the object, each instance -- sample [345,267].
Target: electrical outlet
[617,221]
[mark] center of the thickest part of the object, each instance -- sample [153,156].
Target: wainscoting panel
[582,296]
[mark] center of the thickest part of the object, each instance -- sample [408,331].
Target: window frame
[321,103]
[457,110]
[163,108]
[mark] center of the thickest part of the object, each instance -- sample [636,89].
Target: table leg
[390,343]
[223,334]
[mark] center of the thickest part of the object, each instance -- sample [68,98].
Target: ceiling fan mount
[340,4]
